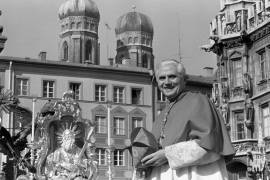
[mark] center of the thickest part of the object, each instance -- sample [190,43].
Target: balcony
[243,146]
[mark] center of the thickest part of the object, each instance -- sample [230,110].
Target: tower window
[136,40]
[79,25]
[92,28]
[148,42]
[72,25]
[65,51]
[143,40]
[144,61]
[87,25]
[88,52]
[129,40]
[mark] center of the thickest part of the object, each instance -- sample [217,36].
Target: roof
[54,63]
[79,8]
[134,21]
[200,80]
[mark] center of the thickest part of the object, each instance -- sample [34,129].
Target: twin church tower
[79,20]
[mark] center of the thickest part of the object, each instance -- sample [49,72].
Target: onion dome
[79,8]
[134,21]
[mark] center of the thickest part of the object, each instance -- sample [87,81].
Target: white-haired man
[191,133]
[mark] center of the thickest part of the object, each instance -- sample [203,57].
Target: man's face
[170,82]
[68,144]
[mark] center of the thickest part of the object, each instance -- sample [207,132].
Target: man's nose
[167,80]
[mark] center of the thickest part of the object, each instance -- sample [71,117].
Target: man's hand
[155,159]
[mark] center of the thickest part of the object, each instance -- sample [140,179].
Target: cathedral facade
[239,37]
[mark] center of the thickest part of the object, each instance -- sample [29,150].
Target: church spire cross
[133,8]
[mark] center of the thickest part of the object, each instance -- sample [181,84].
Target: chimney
[42,55]
[110,61]
[208,71]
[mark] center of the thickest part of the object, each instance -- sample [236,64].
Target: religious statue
[224,111]
[68,162]
[223,24]
[238,21]
[249,110]
[247,85]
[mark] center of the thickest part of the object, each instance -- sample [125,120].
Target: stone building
[239,36]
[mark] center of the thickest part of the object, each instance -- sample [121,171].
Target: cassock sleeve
[207,127]
[188,153]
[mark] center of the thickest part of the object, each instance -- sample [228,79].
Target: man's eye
[161,78]
[172,76]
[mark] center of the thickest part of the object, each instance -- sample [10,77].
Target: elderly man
[191,133]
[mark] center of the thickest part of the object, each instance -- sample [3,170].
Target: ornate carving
[260,33]
[247,85]
[233,43]
[64,145]
[244,147]
[249,110]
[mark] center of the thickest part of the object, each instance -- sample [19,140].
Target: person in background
[193,139]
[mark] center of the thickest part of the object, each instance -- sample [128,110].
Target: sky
[32,26]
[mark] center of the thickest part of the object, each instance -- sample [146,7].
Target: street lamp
[109,149]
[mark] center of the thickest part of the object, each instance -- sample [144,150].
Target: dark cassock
[195,139]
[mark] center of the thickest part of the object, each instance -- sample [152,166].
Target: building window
[143,40]
[136,96]
[144,61]
[119,158]
[48,89]
[75,87]
[88,52]
[266,120]
[22,87]
[262,58]
[100,93]
[92,27]
[160,96]
[101,125]
[72,25]
[65,51]
[237,72]
[118,94]
[148,42]
[129,40]
[101,155]
[137,122]
[79,25]
[136,40]
[240,125]
[119,126]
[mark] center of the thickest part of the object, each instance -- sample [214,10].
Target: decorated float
[63,145]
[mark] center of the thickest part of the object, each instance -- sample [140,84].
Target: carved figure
[247,85]
[224,111]
[223,24]
[68,161]
[238,22]
[249,109]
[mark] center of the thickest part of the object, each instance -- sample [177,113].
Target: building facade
[239,36]
[94,88]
